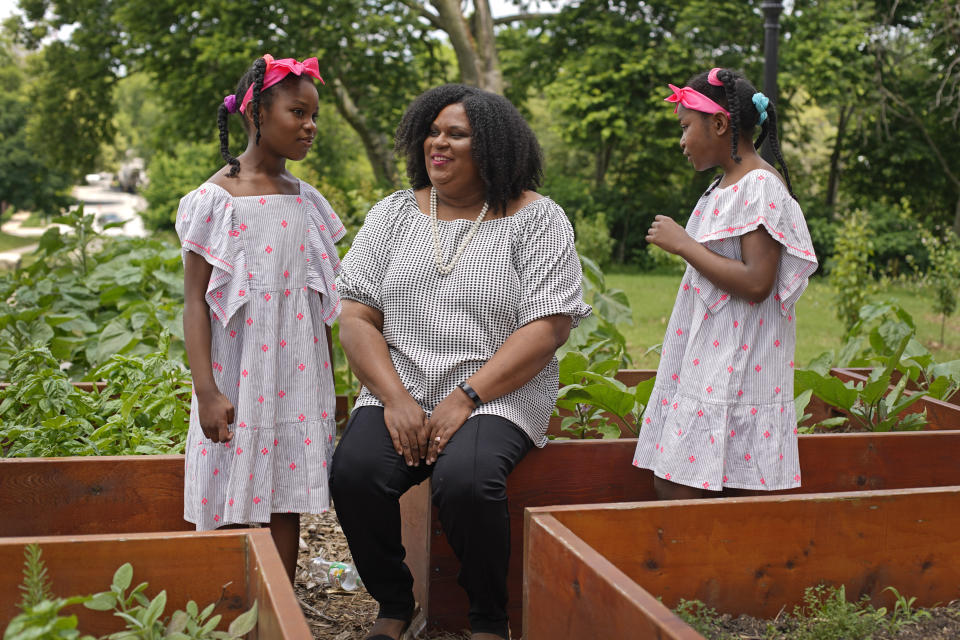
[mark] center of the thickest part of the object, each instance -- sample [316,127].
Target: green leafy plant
[597,335]
[872,406]
[827,615]
[87,297]
[698,615]
[142,409]
[598,403]
[40,617]
[144,616]
[40,620]
[875,337]
[903,611]
[590,392]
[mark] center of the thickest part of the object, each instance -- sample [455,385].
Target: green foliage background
[869,98]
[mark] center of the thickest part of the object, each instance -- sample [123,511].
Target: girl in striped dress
[259,298]
[721,413]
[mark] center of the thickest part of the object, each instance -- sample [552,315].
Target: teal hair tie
[761,101]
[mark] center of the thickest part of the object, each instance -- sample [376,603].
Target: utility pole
[771,41]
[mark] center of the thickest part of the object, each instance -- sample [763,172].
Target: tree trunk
[490,75]
[602,163]
[956,217]
[833,182]
[622,249]
[454,24]
[376,145]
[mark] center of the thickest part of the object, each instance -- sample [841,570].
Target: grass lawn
[652,295]
[8,242]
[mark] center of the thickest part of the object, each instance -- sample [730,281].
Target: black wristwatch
[467,389]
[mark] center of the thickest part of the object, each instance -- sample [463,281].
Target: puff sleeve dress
[272,290]
[721,413]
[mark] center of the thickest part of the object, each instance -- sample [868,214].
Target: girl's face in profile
[698,140]
[289,125]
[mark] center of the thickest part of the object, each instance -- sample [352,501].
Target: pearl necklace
[442,268]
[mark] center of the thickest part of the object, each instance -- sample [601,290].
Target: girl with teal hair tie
[721,415]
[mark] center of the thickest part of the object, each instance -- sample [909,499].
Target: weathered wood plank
[566,577]
[91,495]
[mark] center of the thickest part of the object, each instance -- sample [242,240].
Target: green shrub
[943,276]
[593,237]
[850,268]
[174,175]
[664,261]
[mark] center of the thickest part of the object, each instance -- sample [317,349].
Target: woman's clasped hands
[417,436]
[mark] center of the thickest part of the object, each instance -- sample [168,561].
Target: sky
[6,8]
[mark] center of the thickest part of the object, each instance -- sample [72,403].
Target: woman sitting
[457,293]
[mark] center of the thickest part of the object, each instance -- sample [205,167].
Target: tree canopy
[869,94]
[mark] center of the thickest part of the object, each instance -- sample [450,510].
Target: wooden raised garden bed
[600,471]
[600,571]
[234,567]
[130,494]
[91,495]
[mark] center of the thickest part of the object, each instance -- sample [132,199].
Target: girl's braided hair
[260,98]
[736,95]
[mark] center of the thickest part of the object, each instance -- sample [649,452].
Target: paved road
[99,200]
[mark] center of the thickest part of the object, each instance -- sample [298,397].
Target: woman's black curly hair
[736,95]
[502,145]
[260,98]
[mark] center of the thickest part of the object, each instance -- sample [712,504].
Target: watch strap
[467,389]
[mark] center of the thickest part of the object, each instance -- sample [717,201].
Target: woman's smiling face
[447,149]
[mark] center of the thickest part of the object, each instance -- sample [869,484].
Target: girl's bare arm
[751,278]
[216,412]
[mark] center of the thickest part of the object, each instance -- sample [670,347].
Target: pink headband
[693,99]
[277,70]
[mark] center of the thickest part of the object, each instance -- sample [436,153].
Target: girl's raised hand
[667,234]
[216,412]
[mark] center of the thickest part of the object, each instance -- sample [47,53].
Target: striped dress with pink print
[721,413]
[272,291]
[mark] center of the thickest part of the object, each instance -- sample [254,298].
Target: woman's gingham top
[721,412]
[271,294]
[441,329]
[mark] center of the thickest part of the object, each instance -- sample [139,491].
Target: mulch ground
[332,613]
[943,624]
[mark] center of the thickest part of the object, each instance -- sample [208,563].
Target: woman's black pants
[367,479]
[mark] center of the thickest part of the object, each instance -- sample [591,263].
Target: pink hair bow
[693,99]
[277,70]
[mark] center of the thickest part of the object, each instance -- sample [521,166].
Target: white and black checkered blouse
[441,329]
